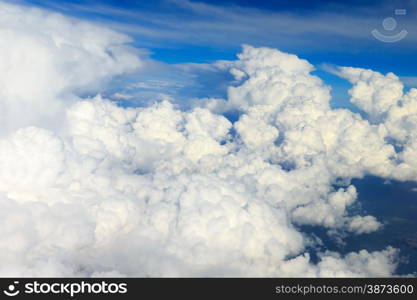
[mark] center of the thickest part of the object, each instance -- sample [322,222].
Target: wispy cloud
[198,23]
[409,80]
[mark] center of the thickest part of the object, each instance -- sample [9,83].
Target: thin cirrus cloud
[229,25]
[163,191]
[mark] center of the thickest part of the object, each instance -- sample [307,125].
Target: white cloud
[366,224]
[228,24]
[382,96]
[373,92]
[333,265]
[154,84]
[121,96]
[47,57]
[158,191]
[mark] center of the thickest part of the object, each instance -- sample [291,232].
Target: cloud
[153,85]
[382,96]
[228,25]
[373,92]
[366,224]
[121,96]
[333,265]
[48,57]
[163,191]
[183,83]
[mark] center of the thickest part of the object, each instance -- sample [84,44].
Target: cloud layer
[46,59]
[159,191]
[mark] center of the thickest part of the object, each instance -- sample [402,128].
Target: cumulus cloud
[48,59]
[373,92]
[160,191]
[382,96]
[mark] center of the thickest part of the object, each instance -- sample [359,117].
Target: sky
[324,32]
[321,31]
[190,139]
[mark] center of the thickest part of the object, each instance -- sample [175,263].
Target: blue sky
[323,32]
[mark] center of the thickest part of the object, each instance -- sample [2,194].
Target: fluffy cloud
[159,191]
[333,265]
[48,59]
[382,96]
[373,92]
